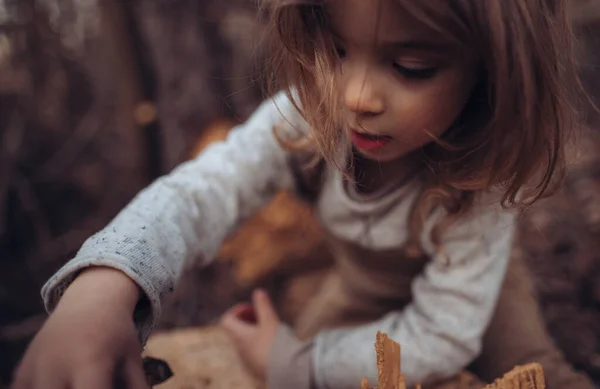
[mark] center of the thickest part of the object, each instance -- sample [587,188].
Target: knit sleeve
[188,213]
[441,330]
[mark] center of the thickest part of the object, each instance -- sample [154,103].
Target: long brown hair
[511,135]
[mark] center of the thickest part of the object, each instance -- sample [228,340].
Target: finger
[246,313]
[233,311]
[21,379]
[265,311]
[43,375]
[95,378]
[135,377]
[236,328]
[46,381]
[21,383]
[240,310]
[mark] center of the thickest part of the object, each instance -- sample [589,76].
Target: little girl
[436,120]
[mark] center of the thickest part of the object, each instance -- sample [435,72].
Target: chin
[383,155]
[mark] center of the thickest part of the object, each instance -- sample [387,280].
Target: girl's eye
[416,73]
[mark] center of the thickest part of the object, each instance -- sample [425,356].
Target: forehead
[368,21]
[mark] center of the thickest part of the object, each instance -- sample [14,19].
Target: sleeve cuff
[289,364]
[147,311]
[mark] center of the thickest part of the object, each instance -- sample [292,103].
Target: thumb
[135,376]
[265,311]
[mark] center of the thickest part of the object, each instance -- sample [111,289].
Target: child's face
[401,83]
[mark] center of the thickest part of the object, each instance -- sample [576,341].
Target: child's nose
[361,97]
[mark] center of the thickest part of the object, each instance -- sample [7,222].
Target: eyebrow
[416,45]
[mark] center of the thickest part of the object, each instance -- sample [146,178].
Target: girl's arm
[440,332]
[188,213]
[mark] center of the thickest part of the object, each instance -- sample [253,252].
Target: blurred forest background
[99,97]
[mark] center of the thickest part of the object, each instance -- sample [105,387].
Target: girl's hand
[253,327]
[90,341]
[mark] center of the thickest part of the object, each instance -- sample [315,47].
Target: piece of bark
[388,363]
[530,376]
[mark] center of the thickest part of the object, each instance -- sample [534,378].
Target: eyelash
[341,53]
[416,73]
[411,73]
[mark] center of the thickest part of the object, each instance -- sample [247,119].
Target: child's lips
[369,142]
